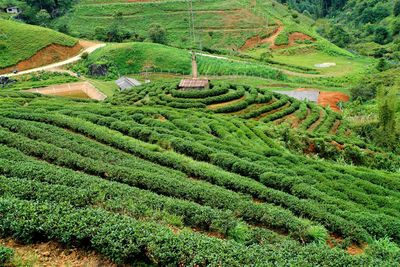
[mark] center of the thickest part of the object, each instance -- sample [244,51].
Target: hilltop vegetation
[19,41]
[370,27]
[222,26]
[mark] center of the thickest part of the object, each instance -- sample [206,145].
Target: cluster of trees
[383,90]
[39,12]
[352,21]
[315,8]
[116,32]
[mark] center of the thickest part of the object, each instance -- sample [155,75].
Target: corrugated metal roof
[310,95]
[193,83]
[127,83]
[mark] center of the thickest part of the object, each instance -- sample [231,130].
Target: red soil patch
[354,249]
[53,254]
[332,99]
[339,146]
[257,40]
[293,37]
[48,55]
[296,36]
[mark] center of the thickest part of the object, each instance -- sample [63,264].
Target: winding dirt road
[89,48]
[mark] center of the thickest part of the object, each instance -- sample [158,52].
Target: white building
[13,10]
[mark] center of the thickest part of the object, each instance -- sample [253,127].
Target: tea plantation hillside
[223,26]
[167,186]
[19,41]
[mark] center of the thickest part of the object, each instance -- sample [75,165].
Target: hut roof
[193,83]
[127,83]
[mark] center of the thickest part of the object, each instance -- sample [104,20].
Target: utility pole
[193,36]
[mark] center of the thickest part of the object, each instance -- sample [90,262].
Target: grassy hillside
[129,58]
[169,186]
[20,41]
[220,25]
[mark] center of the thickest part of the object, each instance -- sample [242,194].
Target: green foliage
[388,134]
[384,248]
[6,255]
[396,8]
[366,89]
[157,34]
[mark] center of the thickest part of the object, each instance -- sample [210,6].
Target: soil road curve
[88,50]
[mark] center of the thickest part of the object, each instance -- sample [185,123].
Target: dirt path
[51,254]
[335,127]
[318,122]
[223,104]
[89,47]
[272,111]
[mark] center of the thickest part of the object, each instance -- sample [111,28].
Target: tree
[339,36]
[382,35]
[157,34]
[396,9]
[387,134]
[382,65]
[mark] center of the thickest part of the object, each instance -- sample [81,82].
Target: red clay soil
[53,254]
[296,36]
[256,40]
[48,55]
[354,249]
[339,146]
[332,99]
[293,37]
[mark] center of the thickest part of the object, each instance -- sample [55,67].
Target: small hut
[125,83]
[195,83]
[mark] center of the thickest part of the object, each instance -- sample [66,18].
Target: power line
[191,22]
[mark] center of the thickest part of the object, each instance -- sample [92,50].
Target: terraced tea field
[240,101]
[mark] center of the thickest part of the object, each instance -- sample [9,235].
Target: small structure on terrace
[195,83]
[125,83]
[13,10]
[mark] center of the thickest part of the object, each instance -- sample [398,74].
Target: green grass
[19,41]
[133,58]
[109,88]
[344,65]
